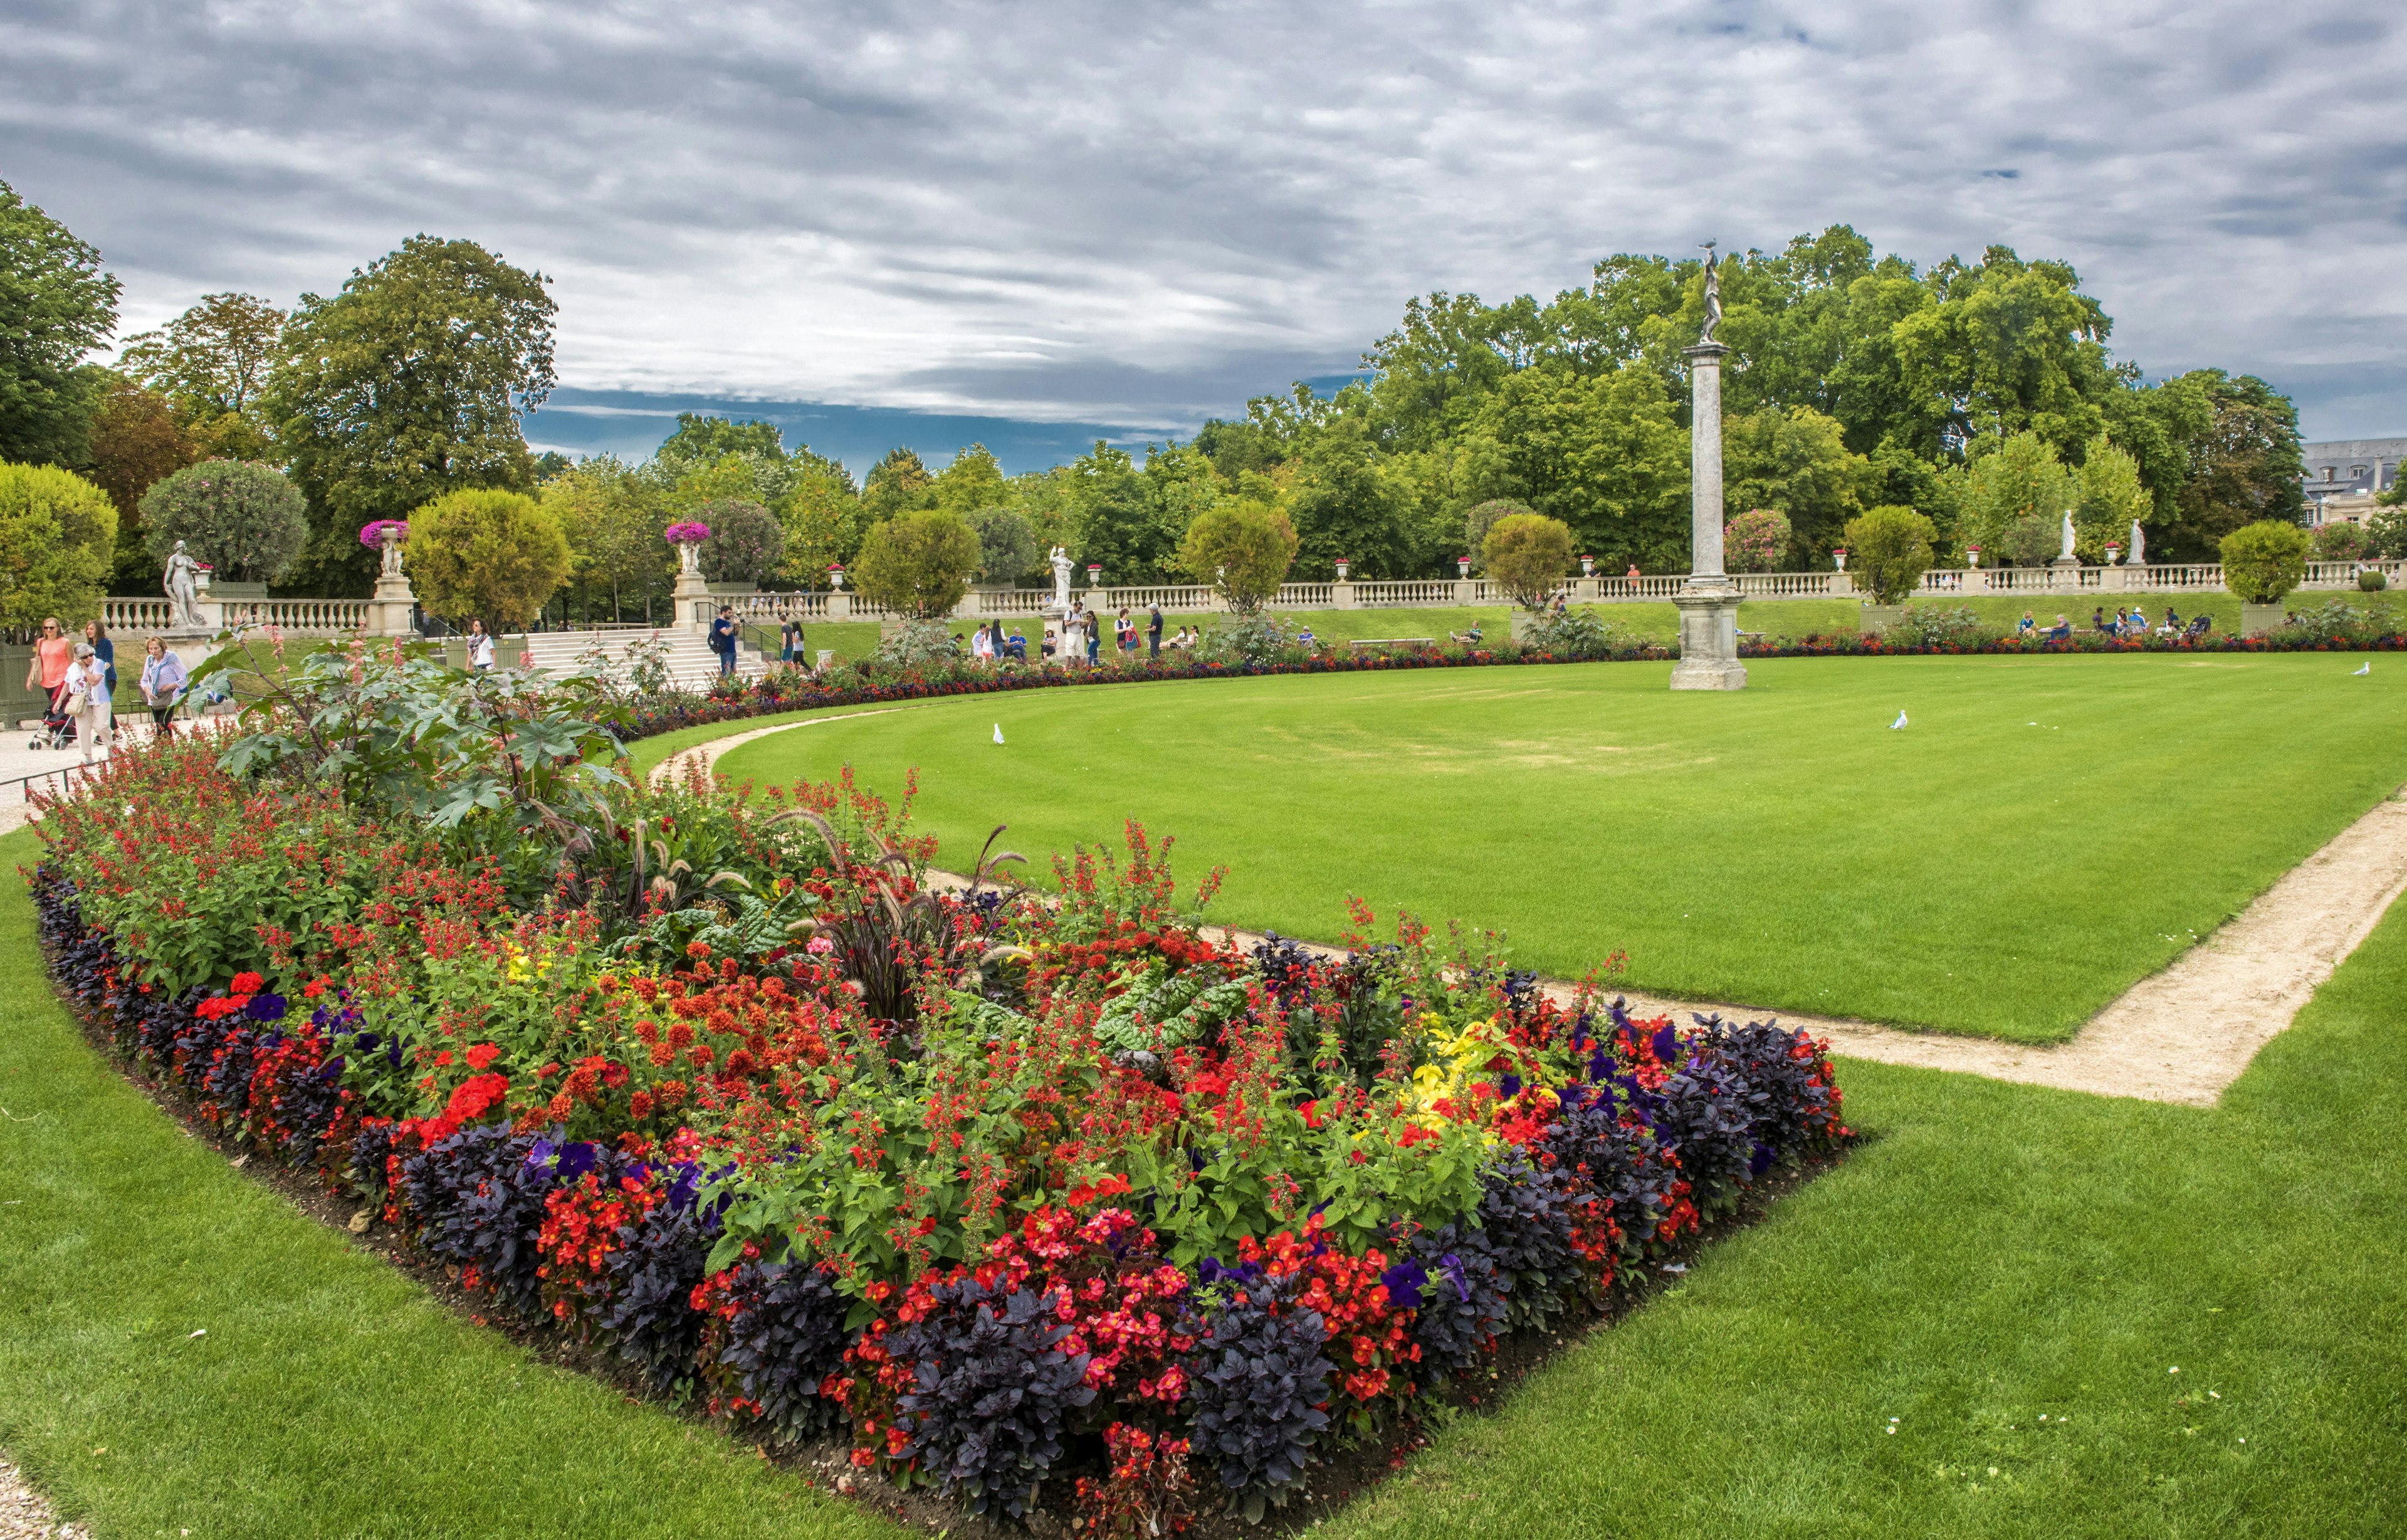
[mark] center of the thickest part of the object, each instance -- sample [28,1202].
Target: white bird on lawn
[2365,667]
[1900,720]
[998,732]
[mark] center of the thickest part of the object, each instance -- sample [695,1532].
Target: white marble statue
[184,587]
[389,539]
[2066,554]
[2139,556]
[1061,579]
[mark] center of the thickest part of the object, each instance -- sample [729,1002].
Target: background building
[2343,475]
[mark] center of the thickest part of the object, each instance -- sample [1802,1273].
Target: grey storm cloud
[1143,213]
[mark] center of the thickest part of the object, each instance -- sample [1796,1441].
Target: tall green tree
[974,480]
[213,363]
[1606,454]
[2012,347]
[2015,479]
[1797,462]
[56,306]
[409,384]
[2246,469]
[613,519]
[899,483]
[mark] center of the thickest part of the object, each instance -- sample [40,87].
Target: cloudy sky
[1074,216]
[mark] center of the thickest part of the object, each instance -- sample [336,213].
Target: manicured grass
[1998,1253]
[2046,832]
[331,1394]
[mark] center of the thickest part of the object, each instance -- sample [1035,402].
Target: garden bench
[1410,644]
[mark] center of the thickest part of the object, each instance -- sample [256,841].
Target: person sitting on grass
[1468,639]
[2098,620]
[2139,621]
[2173,620]
[2026,625]
[2062,631]
[1019,646]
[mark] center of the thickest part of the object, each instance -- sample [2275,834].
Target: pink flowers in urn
[691,533]
[372,533]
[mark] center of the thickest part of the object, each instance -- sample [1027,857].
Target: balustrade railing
[136,614]
[321,616]
[1396,594]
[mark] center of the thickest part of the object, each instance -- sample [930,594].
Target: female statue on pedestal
[1060,560]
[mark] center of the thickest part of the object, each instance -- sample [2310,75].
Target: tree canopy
[57,536]
[409,384]
[212,364]
[56,306]
[486,553]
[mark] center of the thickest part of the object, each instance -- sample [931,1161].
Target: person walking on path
[481,648]
[162,682]
[105,650]
[1153,633]
[54,654]
[722,639]
[88,700]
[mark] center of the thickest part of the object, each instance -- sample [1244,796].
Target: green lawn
[1993,1253]
[1997,1254]
[2047,830]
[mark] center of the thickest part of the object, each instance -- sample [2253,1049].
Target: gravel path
[25,1514]
[2179,1036]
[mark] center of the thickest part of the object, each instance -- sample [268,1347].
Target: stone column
[1708,601]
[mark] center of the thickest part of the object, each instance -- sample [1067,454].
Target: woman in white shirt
[88,700]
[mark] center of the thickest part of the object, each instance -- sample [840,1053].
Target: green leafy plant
[1528,554]
[1006,546]
[1482,518]
[1889,549]
[2263,561]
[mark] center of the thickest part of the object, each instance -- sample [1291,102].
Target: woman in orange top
[51,655]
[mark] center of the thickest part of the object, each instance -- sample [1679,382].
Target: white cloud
[1139,214]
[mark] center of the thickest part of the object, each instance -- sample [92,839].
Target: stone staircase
[692,663]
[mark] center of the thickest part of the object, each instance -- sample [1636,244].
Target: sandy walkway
[2179,1036]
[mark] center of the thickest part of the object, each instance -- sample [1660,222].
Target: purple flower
[266,1007]
[691,533]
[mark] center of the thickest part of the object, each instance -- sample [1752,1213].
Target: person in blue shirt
[105,650]
[722,639]
[2027,625]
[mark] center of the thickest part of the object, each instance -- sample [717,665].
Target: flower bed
[1001,1188]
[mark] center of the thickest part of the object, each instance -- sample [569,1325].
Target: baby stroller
[58,728]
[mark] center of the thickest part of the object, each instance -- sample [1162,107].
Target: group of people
[77,680]
[2124,622]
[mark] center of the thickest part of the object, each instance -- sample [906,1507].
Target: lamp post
[1708,601]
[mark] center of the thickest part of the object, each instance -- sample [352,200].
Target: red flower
[247,983]
[482,1054]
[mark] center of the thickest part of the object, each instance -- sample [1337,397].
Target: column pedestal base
[1708,638]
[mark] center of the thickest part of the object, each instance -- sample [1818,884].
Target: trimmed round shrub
[1244,549]
[1889,549]
[920,562]
[487,554]
[2263,561]
[1528,554]
[746,544]
[240,516]
[1756,541]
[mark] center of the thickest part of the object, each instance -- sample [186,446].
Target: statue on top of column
[1712,297]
